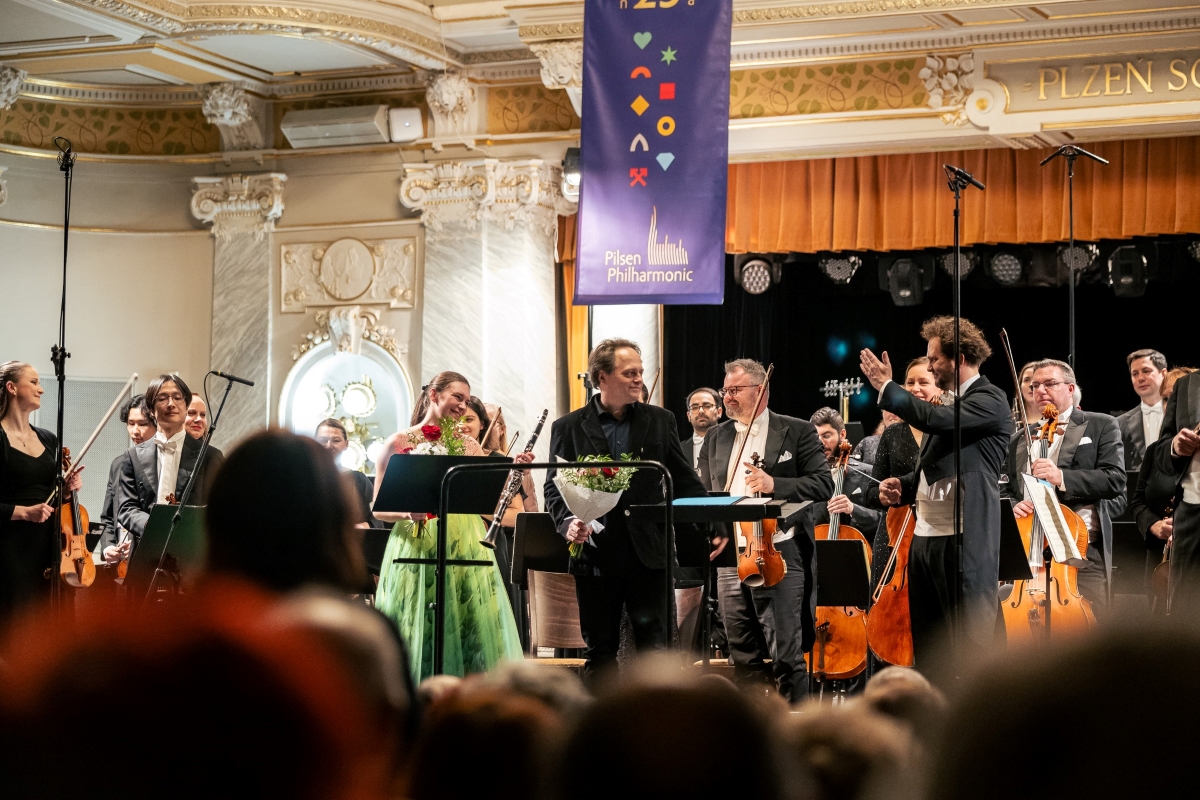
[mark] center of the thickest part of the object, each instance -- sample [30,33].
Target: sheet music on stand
[1049,517]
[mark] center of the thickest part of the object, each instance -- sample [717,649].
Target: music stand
[412,484]
[537,546]
[1014,560]
[185,550]
[842,578]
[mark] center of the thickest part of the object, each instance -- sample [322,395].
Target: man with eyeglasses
[1085,465]
[704,413]
[774,622]
[157,471]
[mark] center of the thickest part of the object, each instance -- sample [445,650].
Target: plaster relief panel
[349,272]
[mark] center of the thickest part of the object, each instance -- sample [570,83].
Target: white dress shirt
[1152,417]
[169,453]
[756,443]
[697,443]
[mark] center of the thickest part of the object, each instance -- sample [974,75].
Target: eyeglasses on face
[733,391]
[1048,384]
[702,407]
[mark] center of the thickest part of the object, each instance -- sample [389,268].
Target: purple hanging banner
[654,151]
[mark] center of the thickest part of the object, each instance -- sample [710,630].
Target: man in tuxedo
[1140,425]
[114,546]
[623,562]
[704,412]
[1085,465]
[774,622]
[157,471]
[1181,428]
[851,503]
[986,425]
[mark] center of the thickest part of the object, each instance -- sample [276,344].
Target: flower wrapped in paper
[592,492]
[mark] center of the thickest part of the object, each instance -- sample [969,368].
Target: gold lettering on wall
[1110,78]
[1182,75]
[1131,72]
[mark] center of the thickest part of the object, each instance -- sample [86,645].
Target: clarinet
[511,488]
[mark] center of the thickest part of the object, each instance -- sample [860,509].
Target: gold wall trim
[553,30]
[1112,123]
[42,226]
[810,119]
[859,8]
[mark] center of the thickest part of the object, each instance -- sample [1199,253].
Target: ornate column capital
[469,192]
[562,67]
[11,79]
[236,114]
[239,204]
[452,104]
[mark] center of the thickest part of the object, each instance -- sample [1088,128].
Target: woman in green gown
[480,628]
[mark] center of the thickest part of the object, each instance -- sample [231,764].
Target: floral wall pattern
[115,131]
[529,109]
[849,86]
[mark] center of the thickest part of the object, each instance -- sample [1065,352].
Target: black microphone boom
[959,172]
[233,378]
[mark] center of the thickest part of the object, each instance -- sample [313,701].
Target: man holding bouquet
[621,561]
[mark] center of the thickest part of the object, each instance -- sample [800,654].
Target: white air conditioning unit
[406,124]
[329,127]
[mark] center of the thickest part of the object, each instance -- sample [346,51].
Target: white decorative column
[562,68]
[242,210]
[489,279]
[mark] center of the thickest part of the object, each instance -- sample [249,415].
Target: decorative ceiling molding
[10,86]
[554,30]
[497,56]
[239,204]
[857,8]
[451,100]
[348,271]
[238,115]
[61,92]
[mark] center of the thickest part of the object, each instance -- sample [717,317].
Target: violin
[1160,578]
[889,622]
[759,563]
[840,650]
[76,567]
[1025,609]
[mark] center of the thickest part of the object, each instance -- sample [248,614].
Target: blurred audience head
[280,516]
[435,687]
[558,688]
[906,695]
[852,752]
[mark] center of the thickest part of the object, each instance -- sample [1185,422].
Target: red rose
[431,432]
[403,450]
[609,472]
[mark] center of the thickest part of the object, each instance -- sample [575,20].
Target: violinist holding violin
[776,621]
[1085,465]
[28,473]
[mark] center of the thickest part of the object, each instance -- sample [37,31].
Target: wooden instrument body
[759,563]
[840,650]
[1025,609]
[889,622]
[76,567]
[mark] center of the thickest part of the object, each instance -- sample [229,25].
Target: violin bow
[78,462]
[758,406]
[491,422]
[653,386]
[1012,365]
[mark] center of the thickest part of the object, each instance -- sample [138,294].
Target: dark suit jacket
[1156,492]
[1133,437]
[855,485]
[654,436]
[1183,411]
[986,426]
[109,532]
[1092,472]
[137,487]
[689,449]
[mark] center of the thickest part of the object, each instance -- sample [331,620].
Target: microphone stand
[187,490]
[958,179]
[59,356]
[1071,152]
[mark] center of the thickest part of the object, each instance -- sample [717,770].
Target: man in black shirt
[623,562]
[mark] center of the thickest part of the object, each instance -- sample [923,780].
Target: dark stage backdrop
[812,329]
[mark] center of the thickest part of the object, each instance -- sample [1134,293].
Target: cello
[889,622]
[840,649]
[76,567]
[1053,591]
[759,563]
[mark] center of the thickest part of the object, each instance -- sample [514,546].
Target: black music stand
[537,546]
[1014,559]
[842,578]
[181,552]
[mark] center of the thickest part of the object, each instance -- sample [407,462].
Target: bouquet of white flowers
[592,492]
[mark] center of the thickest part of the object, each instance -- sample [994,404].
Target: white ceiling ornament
[348,272]
[949,81]
[239,204]
[451,193]
[232,109]
[562,68]
[10,85]
[451,99]
[347,328]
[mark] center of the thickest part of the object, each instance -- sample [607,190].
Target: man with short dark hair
[1180,457]
[1085,465]
[623,560]
[851,502]
[114,546]
[704,412]
[1141,424]
[986,425]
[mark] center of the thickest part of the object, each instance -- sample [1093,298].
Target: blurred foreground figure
[216,697]
[1056,725]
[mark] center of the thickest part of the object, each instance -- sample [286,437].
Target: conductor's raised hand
[878,371]
[889,492]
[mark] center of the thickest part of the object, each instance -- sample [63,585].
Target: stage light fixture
[755,273]
[1194,249]
[1079,258]
[969,262]
[1005,268]
[572,174]
[1127,271]
[840,269]
[905,283]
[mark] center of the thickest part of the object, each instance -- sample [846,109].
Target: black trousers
[639,590]
[1093,581]
[768,623]
[932,568]
[1185,561]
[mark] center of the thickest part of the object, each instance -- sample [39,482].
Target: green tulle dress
[480,628]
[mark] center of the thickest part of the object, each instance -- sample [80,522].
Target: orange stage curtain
[577,316]
[900,202]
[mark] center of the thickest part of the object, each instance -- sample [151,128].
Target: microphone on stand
[958,172]
[233,378]
[66,155]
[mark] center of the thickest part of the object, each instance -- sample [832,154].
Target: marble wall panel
[241,328]
[452,320]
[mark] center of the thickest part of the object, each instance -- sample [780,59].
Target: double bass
[889,622]
[76,567]
[759,563]
[1054,588]
[840,649]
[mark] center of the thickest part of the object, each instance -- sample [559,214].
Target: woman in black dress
[899,446]
[27,475]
